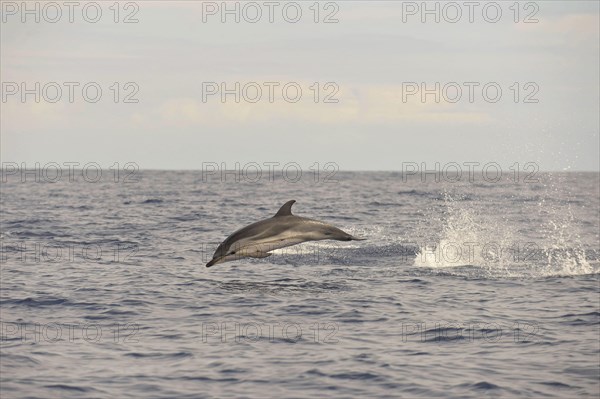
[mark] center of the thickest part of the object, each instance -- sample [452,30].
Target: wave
[472,237]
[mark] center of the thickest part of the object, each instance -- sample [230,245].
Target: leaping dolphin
[280,231]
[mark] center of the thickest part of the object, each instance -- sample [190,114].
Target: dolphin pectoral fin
[259,255]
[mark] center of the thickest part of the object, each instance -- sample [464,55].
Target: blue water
[469,289]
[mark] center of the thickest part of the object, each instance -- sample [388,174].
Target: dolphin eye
[232,252]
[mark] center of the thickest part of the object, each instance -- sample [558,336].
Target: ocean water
[464,289]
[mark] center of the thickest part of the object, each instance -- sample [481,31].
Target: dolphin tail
[343,236]
[352,238]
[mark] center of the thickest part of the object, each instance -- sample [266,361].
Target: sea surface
[463,289]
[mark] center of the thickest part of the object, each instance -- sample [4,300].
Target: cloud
[367,104]
[565,28]
[578,26]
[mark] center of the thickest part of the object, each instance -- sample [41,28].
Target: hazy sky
[373,61]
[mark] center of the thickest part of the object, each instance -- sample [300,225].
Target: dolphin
[280,231]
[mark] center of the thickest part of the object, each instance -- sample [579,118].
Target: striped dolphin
[280,231]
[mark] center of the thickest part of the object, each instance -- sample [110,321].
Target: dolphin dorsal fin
[286,209]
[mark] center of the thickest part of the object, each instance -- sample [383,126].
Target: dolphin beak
[214,262]
[222,259]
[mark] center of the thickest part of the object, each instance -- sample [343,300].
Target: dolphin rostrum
[282,230]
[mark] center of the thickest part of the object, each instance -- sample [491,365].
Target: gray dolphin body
[280,231]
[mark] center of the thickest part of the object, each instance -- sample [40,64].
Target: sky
[365,85]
